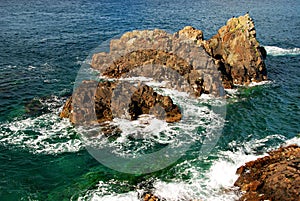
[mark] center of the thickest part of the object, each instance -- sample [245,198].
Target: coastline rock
[67,109]
[236,47]
[273,177]
[190,33]
[89,104]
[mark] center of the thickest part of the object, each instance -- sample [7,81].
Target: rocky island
[232,56]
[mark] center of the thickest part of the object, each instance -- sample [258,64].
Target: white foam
[266,82]
[173,191]
[231,91]
[104,192]
[217,183]
[131,196]
[31,67]
[294,140]
[213,184]
[277,51]
[232,94]
[157,131]
[45,134]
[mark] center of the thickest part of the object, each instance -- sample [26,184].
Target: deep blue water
[43,45]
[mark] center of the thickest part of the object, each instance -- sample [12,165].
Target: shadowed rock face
[273,177]
[145,99]
[194,65]
[92,103]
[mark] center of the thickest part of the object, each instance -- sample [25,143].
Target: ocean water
[43,44]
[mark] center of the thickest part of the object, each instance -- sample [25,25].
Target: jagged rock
[35,106]
[273,177]
[91,104]
[183,59]
[155,49]
[190,33]
[67,109]
[241,56]
[145,99]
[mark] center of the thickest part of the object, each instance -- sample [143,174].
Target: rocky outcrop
[237,54]
[273,177]
[92,103]
[184,60]
[145,53]
[240,54]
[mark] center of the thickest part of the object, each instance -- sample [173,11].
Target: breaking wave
[213,184]
[277,51]
[44,134]
[149,138]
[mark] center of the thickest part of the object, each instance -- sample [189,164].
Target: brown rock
[91,104]
[145,98]
[156,49]
[190,33]
[150,197]
[235,45]
[140,58]
[184,59]
[273,177]
[67,109]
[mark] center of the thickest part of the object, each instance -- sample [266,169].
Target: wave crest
[277,51]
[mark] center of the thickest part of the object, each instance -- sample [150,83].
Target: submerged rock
[35,107]
[273,177]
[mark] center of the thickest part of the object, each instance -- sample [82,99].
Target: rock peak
[240,54]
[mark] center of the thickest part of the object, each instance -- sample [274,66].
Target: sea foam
[213,184]
[44,134]
[277,51]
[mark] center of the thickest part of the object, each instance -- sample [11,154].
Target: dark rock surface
[273,177]
[91,104]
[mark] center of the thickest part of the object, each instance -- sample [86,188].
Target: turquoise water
[45,43]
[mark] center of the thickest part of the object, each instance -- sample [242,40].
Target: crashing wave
[214,183]
[277,51]
[42,134]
